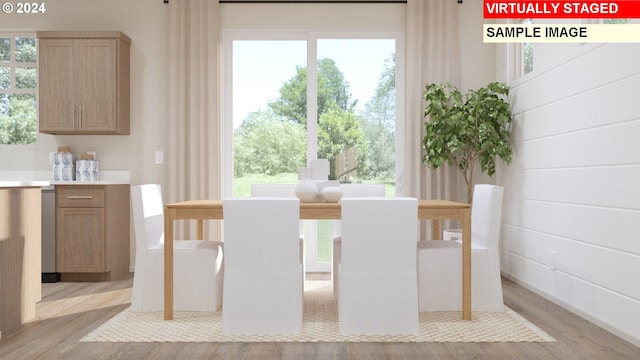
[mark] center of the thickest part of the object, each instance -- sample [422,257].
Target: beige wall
[477,67]
[145,22]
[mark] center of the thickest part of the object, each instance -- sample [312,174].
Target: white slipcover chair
[263,279]
[197,264]
[349,190]
[271,190]
[440,262]
[280,190]
[377,271]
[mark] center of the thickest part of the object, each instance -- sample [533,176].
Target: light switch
[159,157]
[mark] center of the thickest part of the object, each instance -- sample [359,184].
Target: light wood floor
[71,310]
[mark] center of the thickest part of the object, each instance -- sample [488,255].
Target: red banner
[519,9]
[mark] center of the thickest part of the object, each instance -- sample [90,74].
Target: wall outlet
[159,158]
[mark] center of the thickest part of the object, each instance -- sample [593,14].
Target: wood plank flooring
[71,310]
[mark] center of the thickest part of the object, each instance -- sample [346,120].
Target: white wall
[572,201]
[145,22]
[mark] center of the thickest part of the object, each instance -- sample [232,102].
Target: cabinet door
[96,81]
[80,245]
[56,85]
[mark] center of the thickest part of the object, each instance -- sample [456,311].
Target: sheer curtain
[432,56]
[194,158]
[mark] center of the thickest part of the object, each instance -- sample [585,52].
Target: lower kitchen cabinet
[92,232]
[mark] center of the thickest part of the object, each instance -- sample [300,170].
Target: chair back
[486,214]
[263,279]
[378,233]
[261,233]
[278,190]
[358,190]
[377,272]
[148,215]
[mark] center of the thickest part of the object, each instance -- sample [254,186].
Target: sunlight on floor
[47,309]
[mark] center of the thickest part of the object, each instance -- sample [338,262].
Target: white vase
[332,193]
[306,190]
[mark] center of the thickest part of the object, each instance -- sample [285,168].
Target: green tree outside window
[18,89]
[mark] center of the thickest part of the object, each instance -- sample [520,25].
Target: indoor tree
[464,128]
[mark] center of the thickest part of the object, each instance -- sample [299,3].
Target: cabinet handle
[74,117]
[80,116]
[79,197]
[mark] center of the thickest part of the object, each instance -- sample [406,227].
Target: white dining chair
[271,190]
[440,262]
[377,270]
[281,190]
[263,279]
[349,191]
[198,264]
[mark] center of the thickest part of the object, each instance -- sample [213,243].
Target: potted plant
[465,128]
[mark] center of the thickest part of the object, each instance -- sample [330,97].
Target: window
[18,89]
[527,50]
[289,71]
[342,108]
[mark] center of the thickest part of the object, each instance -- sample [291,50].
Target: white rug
[320,325]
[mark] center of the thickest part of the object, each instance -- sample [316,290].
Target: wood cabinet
[84,82]
[92,232]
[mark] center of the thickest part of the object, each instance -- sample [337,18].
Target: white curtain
[432,57]
[194,157]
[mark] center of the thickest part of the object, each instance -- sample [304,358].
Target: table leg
[436,230]
[466,264]
[168,264]
[200,234]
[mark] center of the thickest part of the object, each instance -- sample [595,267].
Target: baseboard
[615,331]
[50,277]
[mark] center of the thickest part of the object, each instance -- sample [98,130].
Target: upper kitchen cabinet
[84,82]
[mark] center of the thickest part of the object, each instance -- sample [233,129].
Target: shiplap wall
[571,222]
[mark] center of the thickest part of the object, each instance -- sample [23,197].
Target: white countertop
[16,183]
[99,182]
[109,177]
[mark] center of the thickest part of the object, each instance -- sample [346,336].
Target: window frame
[312,38]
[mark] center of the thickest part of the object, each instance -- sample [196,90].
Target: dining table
[201,210]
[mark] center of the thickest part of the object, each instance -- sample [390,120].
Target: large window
[18,89]
[309,81]
[285,113]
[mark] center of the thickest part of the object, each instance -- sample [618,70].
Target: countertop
[18,183]
[45,178]
[99,182]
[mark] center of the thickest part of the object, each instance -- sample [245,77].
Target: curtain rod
[308,1]
[325,1]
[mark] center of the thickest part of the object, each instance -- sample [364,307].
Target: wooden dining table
[201,210]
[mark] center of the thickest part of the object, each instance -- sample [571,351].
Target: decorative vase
[306,190]
[332,193]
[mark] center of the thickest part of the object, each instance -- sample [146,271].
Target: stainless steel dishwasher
[49,274]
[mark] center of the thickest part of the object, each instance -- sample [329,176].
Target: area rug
[320,324]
